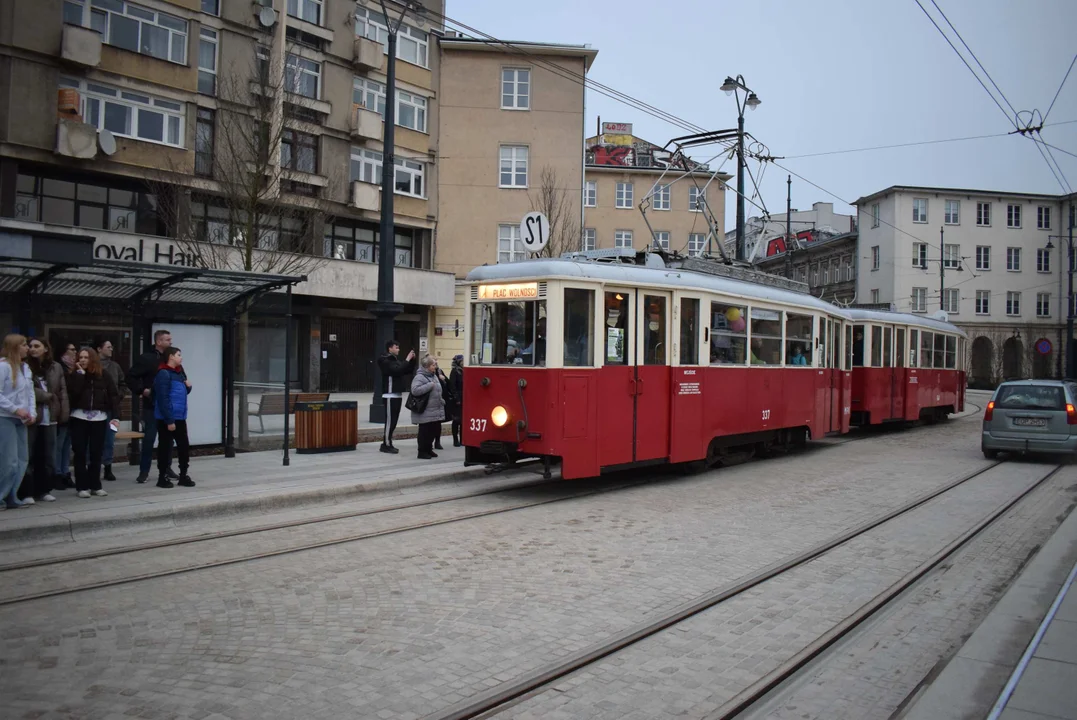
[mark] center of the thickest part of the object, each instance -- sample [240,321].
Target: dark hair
[389,345]
[169,352]
[38,367]
[157,335]
[100,342]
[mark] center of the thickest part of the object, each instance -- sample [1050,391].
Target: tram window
[914,347]
[940,350]
[858,346]
[654,330]
[616,322]
[689,331]
[766,336]
[509,333]
[926,343]
[579,327]
[876,346]
[729,334]
[888,346]
[798,339]
[951,352]
[899,346]
[849,346]
[835,337]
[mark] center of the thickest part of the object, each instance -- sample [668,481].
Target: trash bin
[327,426]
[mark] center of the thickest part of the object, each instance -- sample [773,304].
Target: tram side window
[509,333]
[616,326]
[914,347]
[654,330]
[689,331]
[951,352]
[849,345]
[926,343]
[876,346]
[899,346]
[766,336]
[729,334]
[940,350]
[798,339]
[579,327]
[888,346]
[858,346]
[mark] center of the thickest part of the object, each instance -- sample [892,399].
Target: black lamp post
[731,86]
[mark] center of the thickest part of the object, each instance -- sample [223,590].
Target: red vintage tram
[607,365]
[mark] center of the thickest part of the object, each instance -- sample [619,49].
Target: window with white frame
[130,114]
[515,89]
[983,214]
[919,255]
[983,257]
[919,299]
[1043,260]
[952,212]
[951,257]
[303,77]
[850,269]
[951,300]
[697,243]
[211,7]
[510,246]
[408,177]
[874,296]
[983,302]
[624,195]
[366,165]
[590,239]
[410,111]
[132,27]
[309,10]
[370,94]
[660,198]
[590,194]
[1043,217]
[1043,305]
[661,239]
[875,215]
[1013,303]
[371,25]
[919,210]
[412,44]
[622,239]
[1013,216]
[513,166]
[875,257]
[1013,259]
[207,61]
[695,195]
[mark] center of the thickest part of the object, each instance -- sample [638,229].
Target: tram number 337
[766,414]
[478,424]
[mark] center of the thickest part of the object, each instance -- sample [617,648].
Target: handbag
[417,403]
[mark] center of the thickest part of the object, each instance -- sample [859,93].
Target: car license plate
[1030,422]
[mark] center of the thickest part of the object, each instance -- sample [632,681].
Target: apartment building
[510,135]
[681,208]
[142,124]
[826,263]
[994,262]
[766,237]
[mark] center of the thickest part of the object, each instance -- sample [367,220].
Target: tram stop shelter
[47,273]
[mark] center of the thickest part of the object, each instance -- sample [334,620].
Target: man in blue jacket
[170,390]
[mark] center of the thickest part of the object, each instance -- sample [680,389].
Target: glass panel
[798,339]
[155,41]
[876,346]
[729,334]
[151,125]
[888,346]
[951,352]
[123,32]
[654,330]
[689,331]
[58,188]
[766,336]
[900,345]
[926,343]
[579,327]
[93,193]
[91,216]
[858,346]
[848,347]
[940,350]
[72,13]
[509,333]
[121,219]
[118,118]
[617,324]
[57,212]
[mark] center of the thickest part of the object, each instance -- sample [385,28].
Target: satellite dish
[940,315]
[107,141]
[267,16]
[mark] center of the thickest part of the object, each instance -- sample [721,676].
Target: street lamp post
[731,86]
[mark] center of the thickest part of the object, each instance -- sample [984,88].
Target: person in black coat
[449,398]
[394,373]
[140,379]
[456,410]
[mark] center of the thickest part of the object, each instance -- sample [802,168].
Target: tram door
[617,379]
[897,407]
[833,364]
[653,362]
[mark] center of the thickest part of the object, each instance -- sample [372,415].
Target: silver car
[1031,416]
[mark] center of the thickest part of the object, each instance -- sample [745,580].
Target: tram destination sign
[512,291]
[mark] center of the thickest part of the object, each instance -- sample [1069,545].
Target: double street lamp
[734,86]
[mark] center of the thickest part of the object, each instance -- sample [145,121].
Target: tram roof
[628,274]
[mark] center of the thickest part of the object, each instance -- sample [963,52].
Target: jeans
[63,449]
[164,453]
[14,455]
[88,441]
[110,445]
[42,470]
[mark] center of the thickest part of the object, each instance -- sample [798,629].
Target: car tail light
[1071,414]
[991,411]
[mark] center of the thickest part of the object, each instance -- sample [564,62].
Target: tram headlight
[499,416]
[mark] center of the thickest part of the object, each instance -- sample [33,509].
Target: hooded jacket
[170,394]
[394,372]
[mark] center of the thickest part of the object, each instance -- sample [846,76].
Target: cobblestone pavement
[401,626]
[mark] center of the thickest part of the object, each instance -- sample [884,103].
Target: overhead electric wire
[1057,92]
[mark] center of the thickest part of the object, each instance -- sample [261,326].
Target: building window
[983,214]
[211,7]
[661,197]
[590,194]
[98,207]
[952,212]
[875,215]
[298,151]
[850,269]
[695,197]
[983,257]
[983,302]
[1013,259]
[1013,303]
[203,143]
[1043,260]
[132,27]
[919,255]
[875,297]
[697,242]
[951,258]
[589,239]
[510,247]
[919,210]
[622,239]
[366,166]
[369,94]
[410,111]
[129,114]
[371,25]
[412,44]
[303,77]
[408,177]
[1043,305]
[1043,217]
[207,61]
[309,10]
[951,300]
[624,195]
[515,89]
[826,274]
[815,275]
[513,166]
[348,241]
[875,257]
[919,299]
[661,239]
[1013,216]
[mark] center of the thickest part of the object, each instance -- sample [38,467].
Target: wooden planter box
[329,426]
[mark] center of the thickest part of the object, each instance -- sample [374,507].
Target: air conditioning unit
[366,196]
[76,139]
[365,123]
[368,54]
[80,46]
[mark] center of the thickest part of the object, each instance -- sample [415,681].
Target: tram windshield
[509,333]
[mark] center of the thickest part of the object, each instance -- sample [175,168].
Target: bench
[129,435]
[274,404]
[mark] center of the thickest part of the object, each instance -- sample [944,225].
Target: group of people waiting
[53,412]
[433,398]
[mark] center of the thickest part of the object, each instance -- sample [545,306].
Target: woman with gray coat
[426,384]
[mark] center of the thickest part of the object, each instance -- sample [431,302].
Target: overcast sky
[832,75]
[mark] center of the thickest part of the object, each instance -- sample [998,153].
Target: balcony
[368,54]
[76,139]
[366,196]
[365,124]
[81,46]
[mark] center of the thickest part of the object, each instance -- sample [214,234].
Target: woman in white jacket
[17,410]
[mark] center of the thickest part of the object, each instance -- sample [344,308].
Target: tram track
[501,698]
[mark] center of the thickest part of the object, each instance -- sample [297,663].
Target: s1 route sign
[535,231]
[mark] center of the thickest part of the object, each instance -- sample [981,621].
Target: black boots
[108,474]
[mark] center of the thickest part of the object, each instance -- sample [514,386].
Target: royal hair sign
[156,251]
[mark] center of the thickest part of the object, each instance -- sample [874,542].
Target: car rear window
[1031,397]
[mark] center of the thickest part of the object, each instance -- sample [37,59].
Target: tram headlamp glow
[499,416]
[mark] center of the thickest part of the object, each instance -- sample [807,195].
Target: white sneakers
[28,501]
[100,493]
[48,497]
[84,493]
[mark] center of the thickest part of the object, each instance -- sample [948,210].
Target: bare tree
[559,204]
